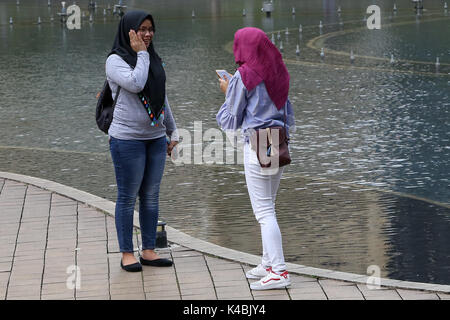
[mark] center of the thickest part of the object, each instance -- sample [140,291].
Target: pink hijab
[260,60]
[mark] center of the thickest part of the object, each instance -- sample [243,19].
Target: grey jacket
[131,121]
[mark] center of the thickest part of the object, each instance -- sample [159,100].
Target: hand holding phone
[224,75]
[224,78]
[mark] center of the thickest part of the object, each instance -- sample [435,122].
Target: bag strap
[285,120]
[115,98]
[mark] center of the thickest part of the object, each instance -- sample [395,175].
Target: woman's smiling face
[146,32]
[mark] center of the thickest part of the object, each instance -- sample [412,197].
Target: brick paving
[56,248]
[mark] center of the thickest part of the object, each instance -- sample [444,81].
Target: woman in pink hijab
[257,97]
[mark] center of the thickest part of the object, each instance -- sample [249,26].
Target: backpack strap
[115,98]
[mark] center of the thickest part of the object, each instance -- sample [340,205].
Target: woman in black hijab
[138,145]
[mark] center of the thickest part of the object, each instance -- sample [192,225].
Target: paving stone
[30,246]
[386,295]
[59,253]
[59,265]
[36,270]
[22,285]
[444,296]
[98,268]
[55,279]
[125,285]
[311,290]
[162,288]
[87,264]
[92,292]
[58,296]
[61,236]
[199,297]
[189,278]
[342,292]
[125,277]
[305,286]
[274,292]
[230,275]
[189,256]
[298,295]
[417,295]
[94,278]
[214,261]
[24,297]
[244,298]
[123,291]
[27,256]
[219,283]
[330,282]
[137,296]
[196,285]
[165,273]
[197,291]
[5,266]
[4,277]
[23,290]
[191,267]
[152,286]
[378,294]
[240,291]
[225,267]
[54,288]
[157,272]
[272,297]
[186,253]
[163,296]
[93,297]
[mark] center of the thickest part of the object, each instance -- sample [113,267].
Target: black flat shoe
[157,262]
[135,267]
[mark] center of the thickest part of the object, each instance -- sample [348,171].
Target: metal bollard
[161,235]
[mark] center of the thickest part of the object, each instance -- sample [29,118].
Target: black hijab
[155,87]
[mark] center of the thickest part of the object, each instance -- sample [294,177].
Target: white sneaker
[272,281]
[258,272]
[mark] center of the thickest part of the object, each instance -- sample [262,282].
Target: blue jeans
[139,167]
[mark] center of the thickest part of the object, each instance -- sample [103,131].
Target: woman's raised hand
[136,43]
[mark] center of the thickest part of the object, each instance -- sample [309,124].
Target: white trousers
[262,185]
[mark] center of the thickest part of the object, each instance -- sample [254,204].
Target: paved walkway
[45,237]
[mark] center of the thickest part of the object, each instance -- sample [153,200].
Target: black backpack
[105,107]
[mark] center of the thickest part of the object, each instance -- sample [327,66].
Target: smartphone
[222,73]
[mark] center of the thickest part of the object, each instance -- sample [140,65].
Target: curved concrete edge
[181,238]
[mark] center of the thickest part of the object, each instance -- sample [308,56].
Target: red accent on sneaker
[284,274]
[271,280]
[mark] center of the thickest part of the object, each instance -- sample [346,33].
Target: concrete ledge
[181,238]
